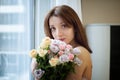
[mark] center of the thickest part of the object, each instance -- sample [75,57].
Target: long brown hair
[69,16]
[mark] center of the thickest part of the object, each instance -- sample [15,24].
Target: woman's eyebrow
[62,23]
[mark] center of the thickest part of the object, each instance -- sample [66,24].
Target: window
[16,26]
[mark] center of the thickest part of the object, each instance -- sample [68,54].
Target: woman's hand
[33,67]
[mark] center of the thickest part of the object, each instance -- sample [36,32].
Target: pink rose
[60,53]
[62,47]
[71,56]
[68,46]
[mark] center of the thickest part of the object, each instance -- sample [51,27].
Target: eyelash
[52,28]
[64,25]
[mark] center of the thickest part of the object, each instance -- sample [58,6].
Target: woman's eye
[52,29]
[63,26]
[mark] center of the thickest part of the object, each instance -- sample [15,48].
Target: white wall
[99,40]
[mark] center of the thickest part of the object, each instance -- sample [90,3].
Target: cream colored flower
[45,42]
[42,52]
[53,61]
[33,53]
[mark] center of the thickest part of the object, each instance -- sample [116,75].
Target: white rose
[45,42]
[42,52]
[33,53]
[64,58]
[54,48]
[53,61]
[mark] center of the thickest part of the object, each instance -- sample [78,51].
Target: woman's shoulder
[84,54]
[83,50]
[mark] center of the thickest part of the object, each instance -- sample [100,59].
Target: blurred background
[21,29]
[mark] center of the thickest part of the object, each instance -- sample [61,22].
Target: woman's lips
[63,39]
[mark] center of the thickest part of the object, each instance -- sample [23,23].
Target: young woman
[63,23]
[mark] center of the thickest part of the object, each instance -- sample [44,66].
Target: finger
[33,65]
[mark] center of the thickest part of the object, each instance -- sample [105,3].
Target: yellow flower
[53,61]
[42,52]
[33,53]
[45,42]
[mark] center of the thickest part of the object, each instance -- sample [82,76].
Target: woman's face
[60,30]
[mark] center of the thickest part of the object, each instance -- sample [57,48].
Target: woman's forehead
[56,19]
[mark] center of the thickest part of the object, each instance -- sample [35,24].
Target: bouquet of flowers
[55,59]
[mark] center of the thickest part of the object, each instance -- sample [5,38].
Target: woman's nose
[59,33]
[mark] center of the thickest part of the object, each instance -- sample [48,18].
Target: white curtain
[41,9]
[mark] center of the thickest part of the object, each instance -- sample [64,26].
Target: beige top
[84,71]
